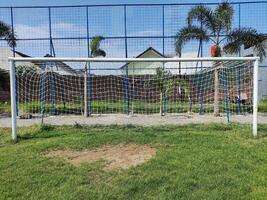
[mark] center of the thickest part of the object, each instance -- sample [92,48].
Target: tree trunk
[85,91]
[217,53]
[216,91]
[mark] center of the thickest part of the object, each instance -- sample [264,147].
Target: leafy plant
[95,47]
[165,83]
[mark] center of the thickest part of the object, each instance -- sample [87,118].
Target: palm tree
[95,52]
[216,25]
[7,34]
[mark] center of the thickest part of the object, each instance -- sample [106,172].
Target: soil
[121,156]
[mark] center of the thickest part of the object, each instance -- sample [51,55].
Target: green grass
[263,105]
[192,162]
[5,107]
[119,106]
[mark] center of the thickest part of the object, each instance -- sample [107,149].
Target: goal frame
[13,60]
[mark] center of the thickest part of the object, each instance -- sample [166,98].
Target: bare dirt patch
[116,156]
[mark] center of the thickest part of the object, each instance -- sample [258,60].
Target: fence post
[85,91]
[89,67]
[201,84]
[163,31]
[43,93]
[239,77]
[255,97]
[14,50]
[13,99]
[127,103]
[225,94]
[52,93]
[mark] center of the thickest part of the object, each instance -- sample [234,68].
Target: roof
[21,54]
[150,49]
[60,66]
[141,54]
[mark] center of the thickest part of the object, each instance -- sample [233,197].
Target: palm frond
[99,52]
[95,46]
[7,33]
[187,34]
[203,15]
[224,14]
[247,37]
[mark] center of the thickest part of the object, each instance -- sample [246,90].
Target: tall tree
[7,34]
[215,25]
[95,52]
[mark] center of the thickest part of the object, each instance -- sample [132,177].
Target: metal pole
[52,92]
[239,53]
[127,103]
[225,95]
[85,91]
[50,31]
[14,49]
[201,83]
[163,31]
[164,96]
[12,26]
[88,81]
[239,91]
[43,93]
[255,97]
[13,99]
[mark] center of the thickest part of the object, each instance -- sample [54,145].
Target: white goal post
[139,78]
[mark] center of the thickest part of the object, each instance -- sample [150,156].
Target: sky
[144,26]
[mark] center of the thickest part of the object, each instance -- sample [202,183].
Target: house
[262,71]
[149,68]
[143,68]
[58,67]
[7,52]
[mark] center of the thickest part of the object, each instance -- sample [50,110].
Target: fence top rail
[68,59]
[137,4]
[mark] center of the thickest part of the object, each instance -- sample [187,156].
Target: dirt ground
[118,156]
[143,120]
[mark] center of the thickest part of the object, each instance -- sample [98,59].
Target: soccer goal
[199,90]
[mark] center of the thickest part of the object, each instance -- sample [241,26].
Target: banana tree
[163,80]
[206,24]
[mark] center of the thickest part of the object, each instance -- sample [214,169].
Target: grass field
[192,162]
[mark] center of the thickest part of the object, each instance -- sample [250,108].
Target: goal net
[200,90]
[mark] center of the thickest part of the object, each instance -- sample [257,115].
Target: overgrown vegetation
[192,162]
